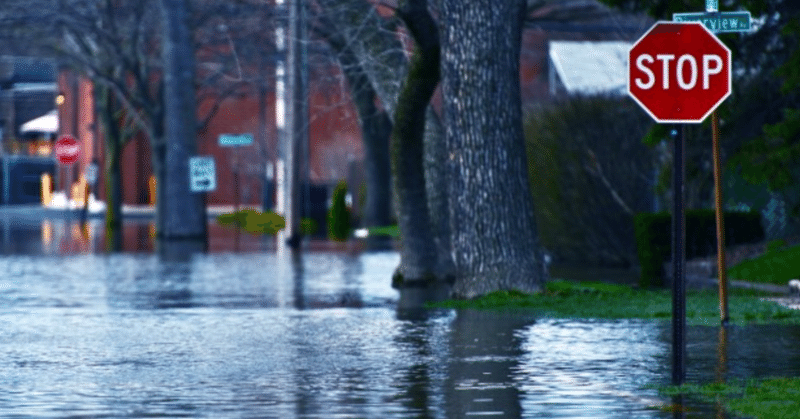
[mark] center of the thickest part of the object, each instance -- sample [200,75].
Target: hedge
[654,238]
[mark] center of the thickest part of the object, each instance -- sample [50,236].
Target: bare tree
[117,45]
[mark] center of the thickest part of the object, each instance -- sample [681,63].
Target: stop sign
[67,149]
[679,72]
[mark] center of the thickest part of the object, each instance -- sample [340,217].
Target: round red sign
[679,72]
[67,150]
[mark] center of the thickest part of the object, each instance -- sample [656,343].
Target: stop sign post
[679,73]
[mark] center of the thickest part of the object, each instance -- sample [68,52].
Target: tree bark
[418,251]
[183,212]
[494,237]
[113,142]
[437,192]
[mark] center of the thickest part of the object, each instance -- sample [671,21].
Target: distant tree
[375,122]
[378,54]
[117,45]
[110,43]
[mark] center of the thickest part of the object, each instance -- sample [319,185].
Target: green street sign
[235,140]
[717,22]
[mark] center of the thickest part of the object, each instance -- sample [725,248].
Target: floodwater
[262,333]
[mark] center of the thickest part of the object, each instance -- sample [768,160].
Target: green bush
[339,215]
[308,226]
[589,174]
[654,237]
[653,245]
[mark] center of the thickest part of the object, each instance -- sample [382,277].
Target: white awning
[590,67]
[47,124]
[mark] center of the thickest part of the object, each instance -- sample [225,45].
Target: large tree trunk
[418,251]
[183,212]
[437,188]
[494,238]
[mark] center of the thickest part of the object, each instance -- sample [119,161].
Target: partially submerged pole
[678,260]
[721,264]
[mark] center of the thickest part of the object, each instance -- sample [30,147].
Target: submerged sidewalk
[35,211]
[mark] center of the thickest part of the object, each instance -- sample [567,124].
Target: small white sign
[202,174]
[91,173]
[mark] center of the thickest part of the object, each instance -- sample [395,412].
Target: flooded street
[262,334]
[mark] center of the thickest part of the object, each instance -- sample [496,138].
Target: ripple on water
[254,335]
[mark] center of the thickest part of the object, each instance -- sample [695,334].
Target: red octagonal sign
[679,72]
[67,150]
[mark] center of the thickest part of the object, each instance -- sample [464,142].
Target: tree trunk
[418,251]
[113,142]
[376,127]
[437,188]
[183,211]
[494,238]
[379,55]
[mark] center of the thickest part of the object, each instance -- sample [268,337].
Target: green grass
[777,266]
[252,221]
[391,231]
[770,398]
[564,299]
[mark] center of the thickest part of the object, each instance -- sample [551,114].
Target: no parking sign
[202,174]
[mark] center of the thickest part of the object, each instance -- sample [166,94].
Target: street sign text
[717,22]
[712,64]
[235,140]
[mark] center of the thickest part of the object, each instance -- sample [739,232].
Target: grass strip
[391,231]
[566,299]
[777,266]
[769,398]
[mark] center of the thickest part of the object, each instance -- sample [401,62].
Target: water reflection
[486,351]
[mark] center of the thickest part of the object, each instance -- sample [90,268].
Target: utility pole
[295,105]
[183,215]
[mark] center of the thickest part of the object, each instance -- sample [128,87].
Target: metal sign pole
[678,260]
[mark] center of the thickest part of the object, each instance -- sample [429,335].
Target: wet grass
[252,221]
[777,266]
[758,398]
[567,299]
[391,231]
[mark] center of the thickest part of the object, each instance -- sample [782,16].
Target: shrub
[308,226]
[654,237]
[339,214]
[589,173]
